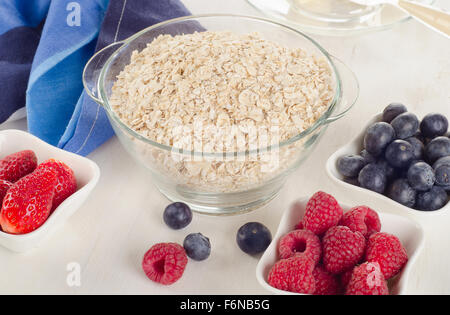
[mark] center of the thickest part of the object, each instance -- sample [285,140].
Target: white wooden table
[108,236]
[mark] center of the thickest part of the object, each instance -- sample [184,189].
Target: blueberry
[253,238]
[392,111]
[373,177]
[197,246]
[417,146]
[368,158]
[443,176]
[405,125]
[421,176]
[387,168]
[399,153]
[437,148]
[402,192]
[377,137]
[351,180]
[433,199]
[177,215]
[350,165]
[434,125]
[442,161]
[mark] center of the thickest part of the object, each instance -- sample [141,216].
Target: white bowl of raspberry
[408,232]
[86,175]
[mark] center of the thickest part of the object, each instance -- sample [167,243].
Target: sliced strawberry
[17,165]
[67,183]
[27,203]
[4,186]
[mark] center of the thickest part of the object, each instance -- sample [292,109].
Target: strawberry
[4,186]
[17,165]
[67,183]
[27,203]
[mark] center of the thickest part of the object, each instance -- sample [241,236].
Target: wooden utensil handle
[432,17]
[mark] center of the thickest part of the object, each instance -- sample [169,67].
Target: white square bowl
[86,172]
[372,198]
[408,231]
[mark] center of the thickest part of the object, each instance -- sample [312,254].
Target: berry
[377,137]
[28,202]
[443,176]
[387,169]
[433,199]
[421,176]
[373,177]
[197,246]
[177,215]
[437,148]
[351,181]
[342,249]
[399,154]
[253,238]
[4,186]
[388,252]
[294,274]
[345,277]
[326,283]
[434,125]
[17,165]
[361,219]
[418,147]
[442,161]
[67,183]
[367,279]
[300,243]
[392,111]
[368,158]
[405,125]
[350,165]
[402,192]
[322,212]
[164,263]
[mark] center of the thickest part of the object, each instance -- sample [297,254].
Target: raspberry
[322,212]
[300,243]
[294,274]
[367,279]
[345,278]
[362,219]
[326,283]
[342,249]
[165,263]
[388,251]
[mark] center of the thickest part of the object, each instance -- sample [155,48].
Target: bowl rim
[337,98]
[52,219]
[346,149]
[284,222]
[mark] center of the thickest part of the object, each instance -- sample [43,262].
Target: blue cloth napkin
[58,110]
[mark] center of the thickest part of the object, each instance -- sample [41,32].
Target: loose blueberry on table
[403,158]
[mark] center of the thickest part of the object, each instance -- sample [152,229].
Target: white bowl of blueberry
[402,158]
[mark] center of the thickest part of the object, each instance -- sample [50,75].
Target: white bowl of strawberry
[40,187]
[324,248]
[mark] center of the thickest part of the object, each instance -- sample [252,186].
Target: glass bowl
[333,17]
[218,182]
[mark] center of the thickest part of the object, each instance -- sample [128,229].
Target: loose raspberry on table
[367,279]
[326,283]
[342,249]
[294,274]
[322,212]
[165,263]
[362,219]
[300,243]
[388,251]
